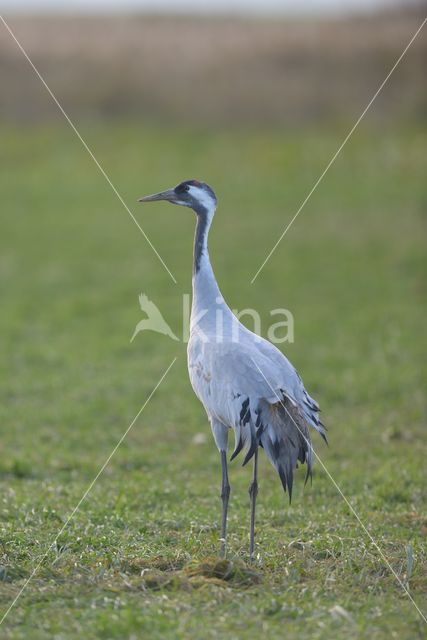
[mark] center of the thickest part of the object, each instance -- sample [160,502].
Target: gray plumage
[243,381]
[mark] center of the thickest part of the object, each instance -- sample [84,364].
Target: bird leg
[225,494]
[253,492]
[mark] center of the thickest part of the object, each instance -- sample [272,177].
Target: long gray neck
[205,288]
[200,251]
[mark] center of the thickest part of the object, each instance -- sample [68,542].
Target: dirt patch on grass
[233,573]
[169,573]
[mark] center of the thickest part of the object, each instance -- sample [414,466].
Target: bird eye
[182,188]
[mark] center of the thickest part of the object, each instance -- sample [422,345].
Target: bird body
[241,378]
[243,381]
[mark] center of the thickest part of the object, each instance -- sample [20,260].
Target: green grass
[138,560]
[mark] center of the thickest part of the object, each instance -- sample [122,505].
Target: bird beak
[169,195]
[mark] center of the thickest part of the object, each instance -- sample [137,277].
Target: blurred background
[254,98]
[273,63]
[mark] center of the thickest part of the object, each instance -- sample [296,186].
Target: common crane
[244,382]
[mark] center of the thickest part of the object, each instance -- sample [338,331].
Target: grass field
[138,559]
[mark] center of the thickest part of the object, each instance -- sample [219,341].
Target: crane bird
[244,382]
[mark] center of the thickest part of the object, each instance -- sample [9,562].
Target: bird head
[191,193]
